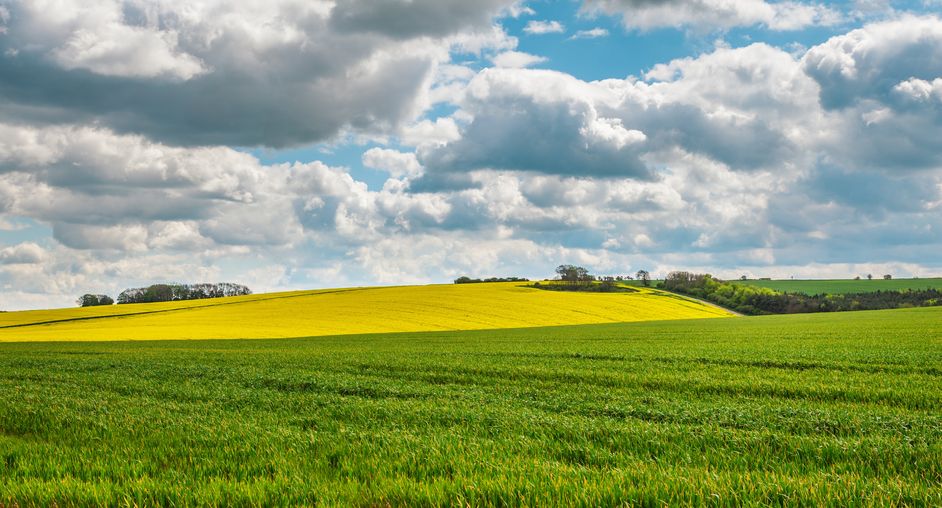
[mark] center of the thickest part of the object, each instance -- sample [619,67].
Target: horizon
[654,278]
[292,145]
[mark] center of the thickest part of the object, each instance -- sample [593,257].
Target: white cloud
[398,164]
[24,253]
[920,90]
[97,38]
[880,85]
[715,14]
[593,33]
[535,27]
[517,59]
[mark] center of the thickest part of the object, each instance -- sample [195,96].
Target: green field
[821,409]
[844,286]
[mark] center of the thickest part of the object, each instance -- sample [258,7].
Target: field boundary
[698,300]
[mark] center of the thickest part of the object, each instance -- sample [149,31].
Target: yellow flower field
[350,311]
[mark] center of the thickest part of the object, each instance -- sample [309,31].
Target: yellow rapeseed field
[350,311]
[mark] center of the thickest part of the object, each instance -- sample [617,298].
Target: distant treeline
[172,292]
[578,278]
[757,300]
[469,280]
[167,293]
[595,286]
[94,300]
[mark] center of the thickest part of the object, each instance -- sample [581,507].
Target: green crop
[843,286]
[823,409]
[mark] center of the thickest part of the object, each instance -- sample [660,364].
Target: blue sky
[297,144]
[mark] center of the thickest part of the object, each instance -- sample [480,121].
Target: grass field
[843,286]
[820,409]
[350,311]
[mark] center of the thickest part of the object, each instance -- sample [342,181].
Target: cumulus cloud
[27,253]
[517,59]
[558,117]
[593,33]
[715,14]
[535,27]
[750,108]
[396,163]
[274,73]
[880,83]
[869,62]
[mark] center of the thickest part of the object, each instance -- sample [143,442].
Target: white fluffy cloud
[517,59]
[592,33]
[396,163]
[535,27]
[880,81]
[715,14]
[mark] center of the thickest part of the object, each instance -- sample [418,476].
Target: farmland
[350,311]
[844,286]
[818,409]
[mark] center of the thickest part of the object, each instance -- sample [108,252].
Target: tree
[644,277]
[89,300]
[172,292]
[744,278]
[857,278]
[869,276]
[573,274]
[887,277]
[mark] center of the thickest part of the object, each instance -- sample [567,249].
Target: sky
[288,144]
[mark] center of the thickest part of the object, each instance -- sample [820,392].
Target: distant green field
[842,286]
[822,409]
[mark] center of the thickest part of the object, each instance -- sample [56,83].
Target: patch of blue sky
[344,154]
[14,230]
[619,54]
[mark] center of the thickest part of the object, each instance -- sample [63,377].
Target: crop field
[350,311]
[814,409]
[844,286]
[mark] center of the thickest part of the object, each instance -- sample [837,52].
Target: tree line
[578,278]
[754,300]
[167,293]
[468,280]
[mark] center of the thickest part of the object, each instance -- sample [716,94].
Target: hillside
[350,311]
[844,286]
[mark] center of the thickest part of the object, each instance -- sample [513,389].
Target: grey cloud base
[279,74]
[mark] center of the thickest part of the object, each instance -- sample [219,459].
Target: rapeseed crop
[351,311]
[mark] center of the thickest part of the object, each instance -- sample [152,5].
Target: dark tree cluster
[469,280]
[577,278]
[89,300]
[756,300]
[172,292]
[574,275]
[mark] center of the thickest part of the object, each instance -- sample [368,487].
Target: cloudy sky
[303,143]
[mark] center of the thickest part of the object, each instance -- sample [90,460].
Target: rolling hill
[351,311]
